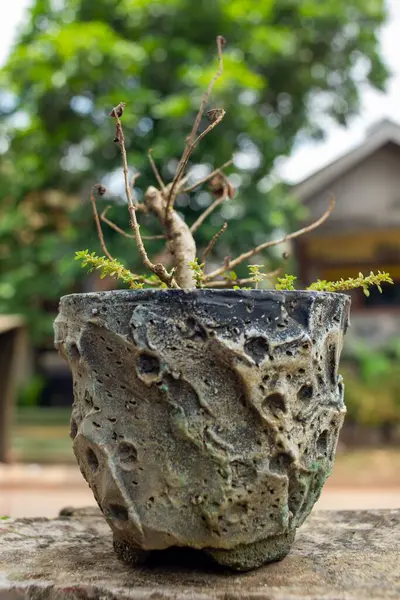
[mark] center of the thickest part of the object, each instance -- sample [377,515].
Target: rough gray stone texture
[206,419]
[336,556]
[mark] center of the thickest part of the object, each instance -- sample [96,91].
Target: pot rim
[129,294]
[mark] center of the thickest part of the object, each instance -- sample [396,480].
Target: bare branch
[207,212]
[207,177]
[191,140]
[270,244]
[274,273]
[190,148]
[156,171]
[99,189]
[228,283]
[158,268]
[215,122]
[154,237]
[124,233]
[212,243]
[113,225]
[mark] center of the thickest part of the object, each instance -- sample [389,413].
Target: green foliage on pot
[75,59]
[114,269]
[361,281]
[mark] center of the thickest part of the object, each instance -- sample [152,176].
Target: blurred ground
[45,477]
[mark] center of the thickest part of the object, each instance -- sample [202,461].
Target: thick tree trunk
[180,241]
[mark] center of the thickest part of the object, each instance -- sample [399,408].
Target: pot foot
[246,557]
[129,554]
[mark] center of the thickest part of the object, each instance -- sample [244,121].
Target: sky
[310,156]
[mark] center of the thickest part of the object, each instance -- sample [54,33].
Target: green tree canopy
[287,64]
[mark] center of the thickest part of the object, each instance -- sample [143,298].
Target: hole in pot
[96,424]
[305,392]
[275,402]
[332,363]
[191,323]
[88,399]
[200,335]
[127,455]
[322,442]
[280,463]
[117,511]
[73,429]
[257,348]
[74,351]
[92,460]
[148,364]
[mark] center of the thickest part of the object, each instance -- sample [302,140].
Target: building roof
[378,135]
[8,322]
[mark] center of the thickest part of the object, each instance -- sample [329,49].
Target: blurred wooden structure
[13,355]
[363,232]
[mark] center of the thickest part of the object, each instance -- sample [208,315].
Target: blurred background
[312,94]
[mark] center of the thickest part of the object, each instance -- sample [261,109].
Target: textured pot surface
[205,418]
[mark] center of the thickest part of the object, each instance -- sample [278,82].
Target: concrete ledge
[337,556]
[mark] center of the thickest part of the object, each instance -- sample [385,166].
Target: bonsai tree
[188,270]
[211,419]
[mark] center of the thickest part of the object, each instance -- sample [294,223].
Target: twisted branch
[265,245]
[100,190]
[158,268]
[200,220]
[207,177]
[212,243]
[191,140]
[124,233]
[155,170]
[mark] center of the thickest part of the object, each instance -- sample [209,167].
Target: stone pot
[205,418]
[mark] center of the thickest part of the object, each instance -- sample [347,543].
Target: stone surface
[207,418]
[336,556]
